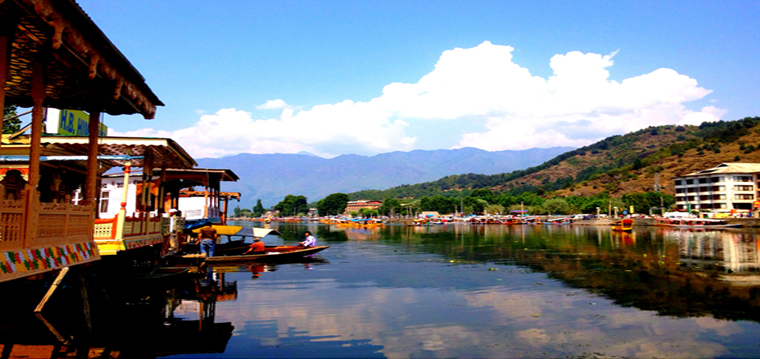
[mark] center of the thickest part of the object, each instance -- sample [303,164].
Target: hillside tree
[10,126]
[292,205]
[258,209]
[333,204]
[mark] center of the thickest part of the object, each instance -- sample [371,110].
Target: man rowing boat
[310,241]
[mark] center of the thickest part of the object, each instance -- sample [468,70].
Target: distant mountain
[271,177]
[617,165]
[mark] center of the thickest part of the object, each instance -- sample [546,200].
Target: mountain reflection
[679,273]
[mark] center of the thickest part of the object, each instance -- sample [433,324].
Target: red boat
[271,254]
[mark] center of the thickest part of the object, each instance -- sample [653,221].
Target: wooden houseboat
[53,55]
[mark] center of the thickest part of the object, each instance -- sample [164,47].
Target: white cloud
[577,105]
[277,104]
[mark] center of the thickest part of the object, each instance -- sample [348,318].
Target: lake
[440,291]
[499,291]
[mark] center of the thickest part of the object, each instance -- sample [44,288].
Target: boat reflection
[177,318]
[256,268]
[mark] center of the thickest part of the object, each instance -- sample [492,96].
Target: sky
[368,77]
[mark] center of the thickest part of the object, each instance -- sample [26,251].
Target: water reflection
[129,317]
[464,291]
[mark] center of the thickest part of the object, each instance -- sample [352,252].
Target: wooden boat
[560,221]
[623,225]
[271,255]
[697,223]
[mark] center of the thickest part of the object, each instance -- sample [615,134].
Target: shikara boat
[232,246]
[271,255]
[623,225]
[699,223]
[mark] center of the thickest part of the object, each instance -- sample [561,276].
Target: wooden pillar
[4,69]
[161,192]
[205,201]
[147,176]
[93,169]
[224,211]
[38,112]
[124,194]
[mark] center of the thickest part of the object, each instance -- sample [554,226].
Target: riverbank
[744,222]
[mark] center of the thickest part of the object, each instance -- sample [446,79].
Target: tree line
[480,201]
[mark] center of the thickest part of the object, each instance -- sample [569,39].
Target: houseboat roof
[229,195]
[223,174]
[164,151]
[728,167]
[77,49]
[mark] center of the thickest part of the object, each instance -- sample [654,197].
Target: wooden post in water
[85,301]
[52,289]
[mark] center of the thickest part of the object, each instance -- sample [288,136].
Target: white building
[723,188]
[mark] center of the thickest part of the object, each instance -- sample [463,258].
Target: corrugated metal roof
[729,168]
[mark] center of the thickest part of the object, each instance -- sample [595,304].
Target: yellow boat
[623,225]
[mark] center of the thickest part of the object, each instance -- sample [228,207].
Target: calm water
[446,291]
[498,291]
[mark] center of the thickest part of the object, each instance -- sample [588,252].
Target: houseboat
[53,55]
[697,223]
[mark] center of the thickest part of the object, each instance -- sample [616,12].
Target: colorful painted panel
[26,262]
[137,243]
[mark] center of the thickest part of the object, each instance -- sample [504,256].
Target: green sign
[77,123]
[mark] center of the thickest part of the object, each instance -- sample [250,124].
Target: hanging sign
[77,123]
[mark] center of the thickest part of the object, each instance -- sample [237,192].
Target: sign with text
[76,123]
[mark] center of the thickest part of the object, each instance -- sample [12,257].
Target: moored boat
[271,255]
[699,223]
[623,225]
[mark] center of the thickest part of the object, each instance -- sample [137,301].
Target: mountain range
[646,160]
[270,177]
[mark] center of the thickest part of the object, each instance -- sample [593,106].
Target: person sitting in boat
[207,240]
[257,246]
[310,241]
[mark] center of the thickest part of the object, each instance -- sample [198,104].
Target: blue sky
[316,76]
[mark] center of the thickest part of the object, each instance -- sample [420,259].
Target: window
[679,182]
[743,188]
[104,202]
[703,180]
[742,179]
[718,188]
[744,196]
[715,179]
[689,181]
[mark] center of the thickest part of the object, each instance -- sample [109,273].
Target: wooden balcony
[122,233]
[39,237]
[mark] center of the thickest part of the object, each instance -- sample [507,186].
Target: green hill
[616,167]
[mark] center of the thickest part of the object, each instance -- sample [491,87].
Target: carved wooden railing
[105,228]
[12,224]
[63,223]
[27,223]
[140,226]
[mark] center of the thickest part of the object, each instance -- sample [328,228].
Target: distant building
[355,206]
[725,187]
